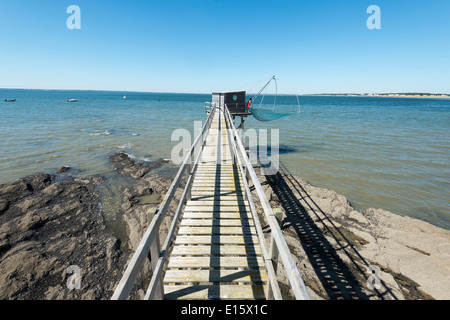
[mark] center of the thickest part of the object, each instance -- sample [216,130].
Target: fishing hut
[234,101]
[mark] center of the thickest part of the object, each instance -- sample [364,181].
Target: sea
[383,152]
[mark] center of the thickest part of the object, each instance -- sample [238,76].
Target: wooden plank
[242,240]
[216,276]
[214,185]
[214,178]
[218,202]
[203,292]
[217,166]
[217,177]
[221,215]
[229,170]
[216,191]
[216,262]
[217,183]
[216,173]
[222,197]
[217,209]
[218,250]
[216,230]
[227,188]
[215,194]
[217,222]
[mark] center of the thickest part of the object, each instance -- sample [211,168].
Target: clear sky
[314,46]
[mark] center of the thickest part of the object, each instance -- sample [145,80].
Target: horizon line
[204,93]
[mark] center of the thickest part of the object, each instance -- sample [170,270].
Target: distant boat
[10,100]
[72,100]
[124,97]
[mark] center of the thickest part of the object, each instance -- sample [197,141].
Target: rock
[334,245]
[128,167]
[62,169]
[4,244]
[49,225]
[4,205]
[119,157]
[13,191]
[412,248]
[45,228]
[31,221]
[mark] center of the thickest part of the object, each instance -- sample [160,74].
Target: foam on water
[100,133]
[125,146]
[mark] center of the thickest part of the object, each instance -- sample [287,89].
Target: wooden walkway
[215,247]
[216,253]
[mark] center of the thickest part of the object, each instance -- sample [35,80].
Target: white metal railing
[209,106]
[239,108]
[278,243]
[150,241]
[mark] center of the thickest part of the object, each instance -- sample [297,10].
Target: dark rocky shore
[47,226]
[50,222]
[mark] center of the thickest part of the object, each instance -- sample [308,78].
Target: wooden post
[155,251]
[188,173]
[278,213]
[247,172]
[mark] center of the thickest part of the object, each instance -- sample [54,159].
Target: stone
[62,169]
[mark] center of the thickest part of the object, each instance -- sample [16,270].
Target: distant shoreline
[383,95]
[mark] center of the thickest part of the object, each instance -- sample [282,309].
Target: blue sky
[211,45]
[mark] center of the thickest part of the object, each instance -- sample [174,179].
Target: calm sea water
[391,153]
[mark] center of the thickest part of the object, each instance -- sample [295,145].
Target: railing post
[188,173]
[155,251]
[278,213]
[247,172]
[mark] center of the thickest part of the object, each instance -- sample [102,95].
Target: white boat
[124,97]
[72,100]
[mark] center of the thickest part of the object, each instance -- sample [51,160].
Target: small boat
[124,97]
[72,100]
[10,100]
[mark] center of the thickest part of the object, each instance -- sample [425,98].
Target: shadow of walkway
[340,280]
